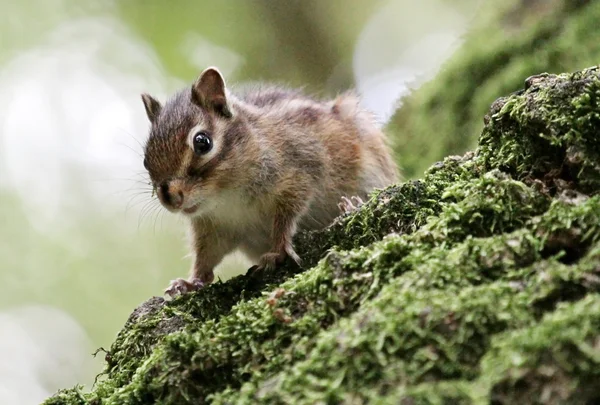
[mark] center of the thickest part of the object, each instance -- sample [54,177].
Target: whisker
[132,194]
[129,180]
[135,201]
[156,214]
[145,189]
[132,137]
[144,212]
[162,215]
[138,153]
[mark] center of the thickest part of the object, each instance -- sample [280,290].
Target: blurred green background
[81,241]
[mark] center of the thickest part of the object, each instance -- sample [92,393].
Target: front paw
[183,286]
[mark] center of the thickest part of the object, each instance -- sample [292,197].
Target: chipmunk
[251,169]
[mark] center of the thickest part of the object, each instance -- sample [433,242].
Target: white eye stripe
[189,156]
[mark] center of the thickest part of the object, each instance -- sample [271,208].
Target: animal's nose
[170,194]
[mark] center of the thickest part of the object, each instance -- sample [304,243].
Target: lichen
[478,283]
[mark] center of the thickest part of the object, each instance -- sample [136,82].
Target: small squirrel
[251,169]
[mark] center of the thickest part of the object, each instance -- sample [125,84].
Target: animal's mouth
[192,209]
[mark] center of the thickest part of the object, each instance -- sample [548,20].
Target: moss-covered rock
[479,283]
[511,40]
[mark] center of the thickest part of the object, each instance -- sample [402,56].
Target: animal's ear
[209,92]
[152,106]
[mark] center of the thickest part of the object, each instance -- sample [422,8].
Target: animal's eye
[146,164]
[202,143]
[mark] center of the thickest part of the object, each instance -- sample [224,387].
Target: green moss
[440,290]
[554,362]
[511,40]
[401,338]
[429,321]
[545,131]
[452,392]
[73,396]
[490,204]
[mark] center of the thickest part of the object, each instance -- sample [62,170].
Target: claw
[255,271]
[182,286]
[357,201]
[345,205]
[350,204]
[269,261]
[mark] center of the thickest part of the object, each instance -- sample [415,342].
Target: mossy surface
[511,40]
[479,283]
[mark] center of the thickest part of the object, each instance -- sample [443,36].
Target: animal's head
[194,142]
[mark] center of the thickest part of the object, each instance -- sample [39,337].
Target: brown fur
[281,161]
